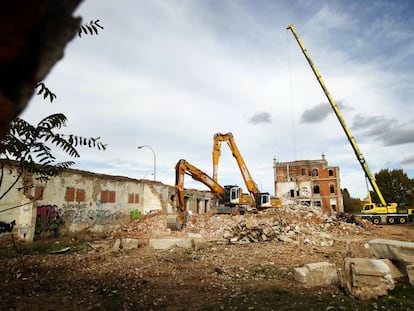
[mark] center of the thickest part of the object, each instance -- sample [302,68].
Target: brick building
[311,182]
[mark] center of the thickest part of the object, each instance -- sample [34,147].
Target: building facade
[310,182]
[79,200]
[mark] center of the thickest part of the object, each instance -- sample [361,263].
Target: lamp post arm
[155,159]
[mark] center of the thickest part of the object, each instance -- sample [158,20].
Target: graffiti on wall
[81,214]
[47,219]
[105,214]
[7,227]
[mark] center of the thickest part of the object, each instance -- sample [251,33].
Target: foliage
[351,205]
[395,186]
[31,146]
[89,28]
[46,92]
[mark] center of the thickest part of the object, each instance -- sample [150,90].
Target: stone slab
[168,243]
[316,274]
[129,243]
[393,249]
[125,244]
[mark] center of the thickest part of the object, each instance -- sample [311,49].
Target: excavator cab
[262,200]
[231,195]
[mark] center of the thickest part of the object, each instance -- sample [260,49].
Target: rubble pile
[295,223]
[153,224]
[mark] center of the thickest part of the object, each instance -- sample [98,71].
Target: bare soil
[214,275]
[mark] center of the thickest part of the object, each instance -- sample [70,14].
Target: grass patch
[270,273]
[400,299]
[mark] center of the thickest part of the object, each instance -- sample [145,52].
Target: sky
[169,74]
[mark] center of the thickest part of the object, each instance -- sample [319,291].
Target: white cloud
[171,74]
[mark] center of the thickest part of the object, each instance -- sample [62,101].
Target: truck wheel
[376,220]
[402,220]
[391,220]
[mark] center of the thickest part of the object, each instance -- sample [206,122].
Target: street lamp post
[155,161]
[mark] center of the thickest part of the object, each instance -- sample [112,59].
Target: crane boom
[338,114]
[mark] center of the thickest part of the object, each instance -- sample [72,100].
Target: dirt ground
[214,275]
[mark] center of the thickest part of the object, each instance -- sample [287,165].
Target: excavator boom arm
[248,180]
[338,114]
[183,167]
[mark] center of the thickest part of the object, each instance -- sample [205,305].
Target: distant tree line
[395,186]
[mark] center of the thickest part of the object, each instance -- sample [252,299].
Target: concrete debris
[295,224]
[125,244]
[317,274]
[117,245]
[398,269]
[351,218]
[303,228]
[128,243]
[391,249]
[365,278]
[410,273]
[168,243]
[401,254]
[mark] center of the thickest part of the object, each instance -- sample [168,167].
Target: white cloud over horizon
[171,74]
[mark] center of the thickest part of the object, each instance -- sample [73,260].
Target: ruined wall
[198,201]
[79,200]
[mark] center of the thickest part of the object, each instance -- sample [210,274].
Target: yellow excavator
[260,200]
[230,198]
[382,212]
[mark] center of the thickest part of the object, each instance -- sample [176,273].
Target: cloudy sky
[171,73]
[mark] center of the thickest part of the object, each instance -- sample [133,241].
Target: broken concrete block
[396,267]
[128,243]
[366,278]
[410,273]
[125,244]
[116,245]
[392,249]
[197,236]
[173,242]
[317,274]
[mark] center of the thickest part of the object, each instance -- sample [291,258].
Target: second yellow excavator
[261,200]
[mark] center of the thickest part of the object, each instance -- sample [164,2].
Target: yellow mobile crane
[231,198]
[376,213]
[260,200]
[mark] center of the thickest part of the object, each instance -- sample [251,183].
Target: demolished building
[79,200]
[309,182]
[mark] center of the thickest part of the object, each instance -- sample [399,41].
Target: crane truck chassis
[387,213]
[390,214]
